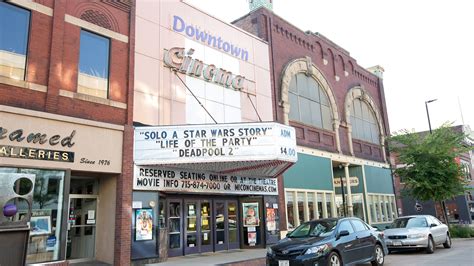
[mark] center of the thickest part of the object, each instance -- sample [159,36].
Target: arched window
[309,103]
[364,124]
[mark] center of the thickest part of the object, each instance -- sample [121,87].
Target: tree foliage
[429,169]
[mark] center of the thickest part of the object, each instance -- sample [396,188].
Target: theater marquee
[154,178]
[248,149]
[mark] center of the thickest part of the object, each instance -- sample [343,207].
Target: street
[460,254]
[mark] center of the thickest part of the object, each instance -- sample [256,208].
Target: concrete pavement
[461,254]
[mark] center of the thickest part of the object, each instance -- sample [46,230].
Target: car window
[436,221]
[409,222]
[346,225]
[321,228]
[358,225]
[301,231]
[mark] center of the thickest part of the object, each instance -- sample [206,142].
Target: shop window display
[44,240]
[308,205]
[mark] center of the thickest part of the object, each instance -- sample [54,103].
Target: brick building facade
[332,142]
[49,87]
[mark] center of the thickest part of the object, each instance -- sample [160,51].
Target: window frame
[361,122]
[318,102]
[109,56]
[325,213]
[381,217]
[350,224]
[28,36]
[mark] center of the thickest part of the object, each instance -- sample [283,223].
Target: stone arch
[304,65]
[358,92]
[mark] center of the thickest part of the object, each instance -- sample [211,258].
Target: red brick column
[56,56]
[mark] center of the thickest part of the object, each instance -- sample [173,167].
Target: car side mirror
[287,234]
[342,233]
[433,225]
[387,227]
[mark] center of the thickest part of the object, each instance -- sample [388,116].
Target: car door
[365,242]
[438,231]
[347,245]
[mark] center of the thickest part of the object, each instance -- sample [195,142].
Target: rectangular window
[14,28]
[290,210]
[310,197]
[301,207]
[320,205]
[305,111]
[328,204]
[294,107]
[93,65]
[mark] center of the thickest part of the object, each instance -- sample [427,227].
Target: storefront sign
[354,181]
[180,60]
[35,139]
[239,146]
[194,32]
[159,179]
[36,154]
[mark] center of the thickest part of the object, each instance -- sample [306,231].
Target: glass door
[206,227]
[221,240]
[81,227]
[191,214]
[232,224]
[175,228]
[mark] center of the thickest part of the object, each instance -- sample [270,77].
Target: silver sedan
[416,232]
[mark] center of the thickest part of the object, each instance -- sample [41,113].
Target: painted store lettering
[179,25]
[37,138]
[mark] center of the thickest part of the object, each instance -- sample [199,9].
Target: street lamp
[428,113]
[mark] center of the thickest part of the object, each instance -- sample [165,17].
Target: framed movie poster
[271,223]
[143,224]
[40,225]
[250,214]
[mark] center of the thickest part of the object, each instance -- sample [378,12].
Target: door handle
[348,246]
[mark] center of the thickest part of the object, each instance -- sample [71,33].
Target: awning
[243,149]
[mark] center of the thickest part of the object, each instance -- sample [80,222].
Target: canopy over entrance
[244,149]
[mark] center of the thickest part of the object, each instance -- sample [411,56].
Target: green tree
[430,170]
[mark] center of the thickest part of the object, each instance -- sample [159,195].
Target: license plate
[283,263]
[397,243]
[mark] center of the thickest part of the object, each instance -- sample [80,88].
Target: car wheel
[448,243]
[378,256]
[334,259]
[430,248]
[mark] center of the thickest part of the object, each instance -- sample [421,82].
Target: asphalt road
[461,254]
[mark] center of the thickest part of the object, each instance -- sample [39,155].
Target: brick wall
[52,63]
[288,43]
[53,57]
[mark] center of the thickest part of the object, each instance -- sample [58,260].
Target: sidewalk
[218,258]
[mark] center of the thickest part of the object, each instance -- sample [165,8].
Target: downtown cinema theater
[206,152]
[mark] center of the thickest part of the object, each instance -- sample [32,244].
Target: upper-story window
[14,28]
[364,124]
[309,103]
[94,65]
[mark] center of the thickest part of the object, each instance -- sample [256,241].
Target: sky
[425,46]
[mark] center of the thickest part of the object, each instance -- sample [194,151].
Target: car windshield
[409,222]
[314,229]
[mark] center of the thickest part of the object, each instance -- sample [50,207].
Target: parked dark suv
[329,242]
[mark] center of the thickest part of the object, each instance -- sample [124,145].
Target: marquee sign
[248,149]
[154,178]
[180,60]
